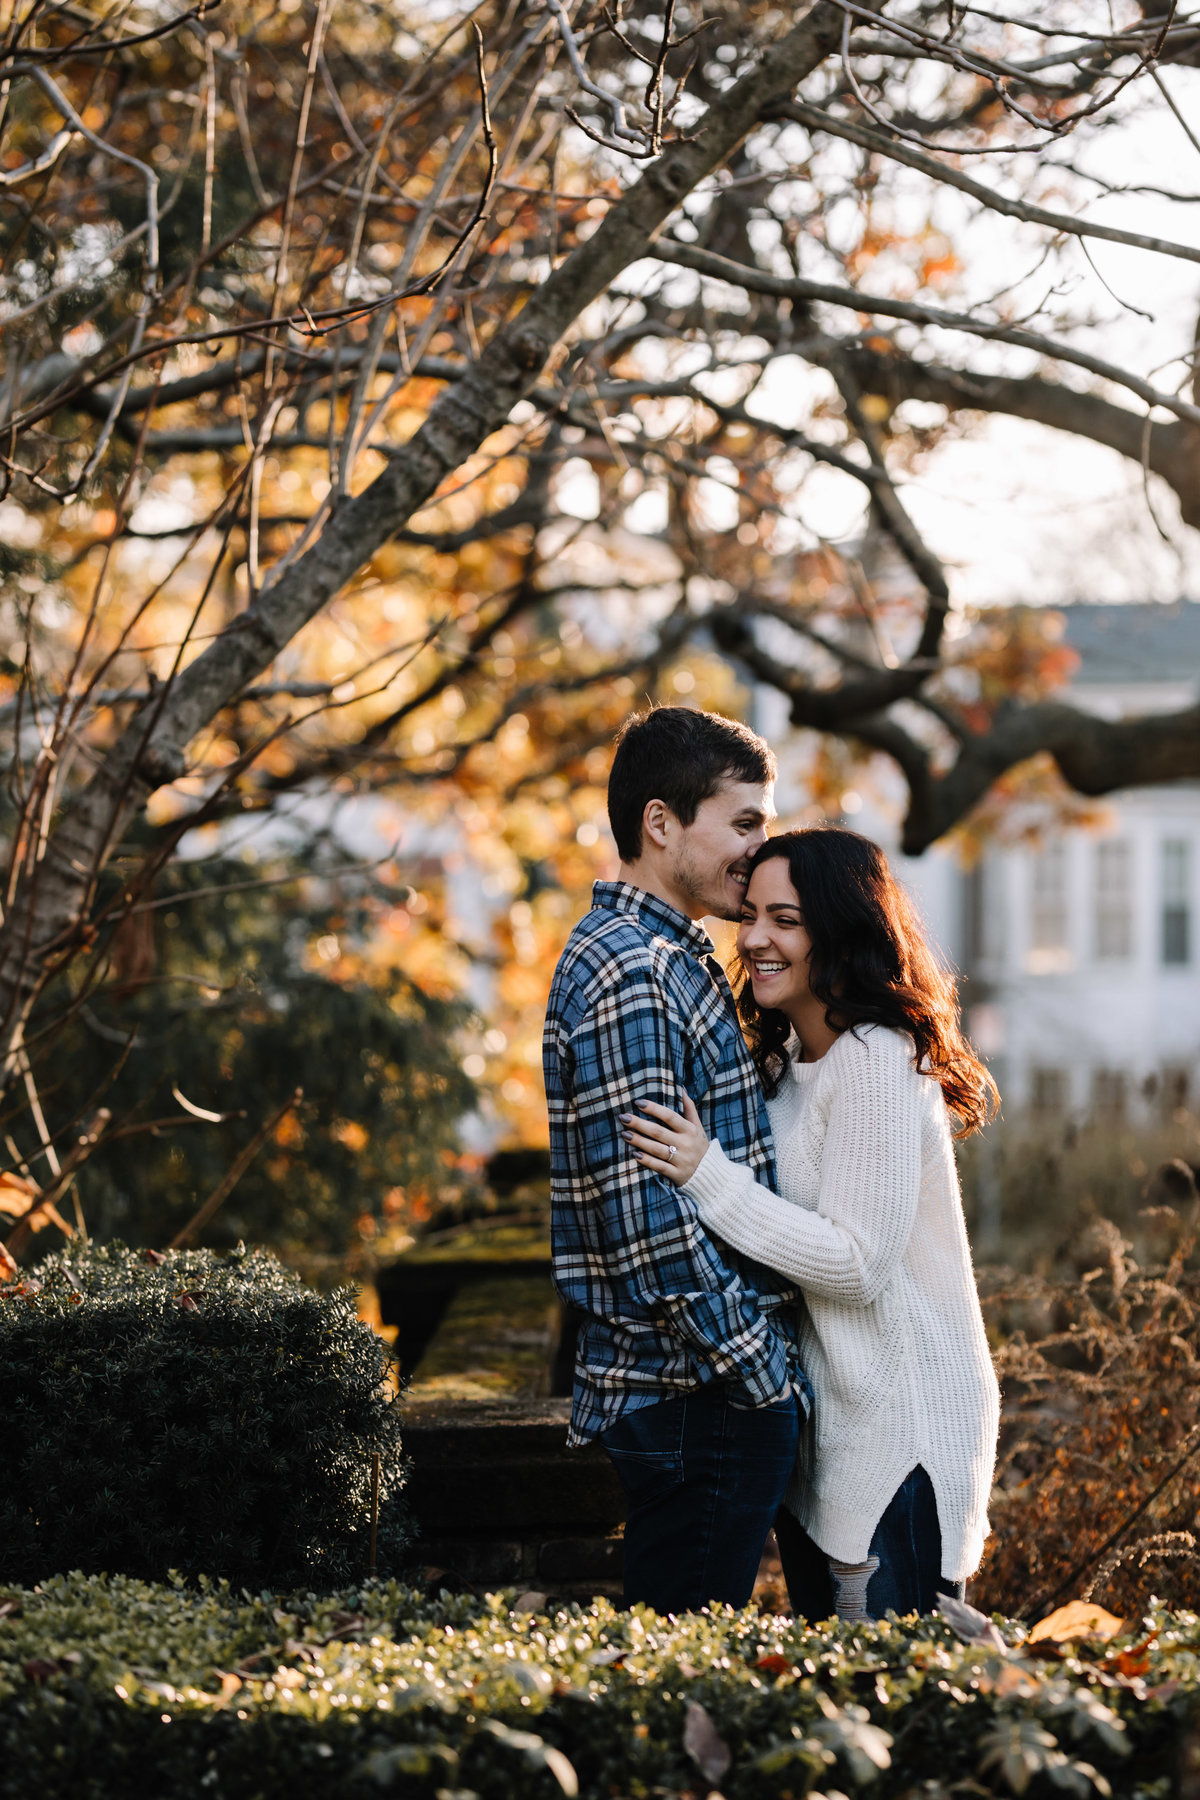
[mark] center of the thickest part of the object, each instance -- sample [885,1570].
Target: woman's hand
[670,1145]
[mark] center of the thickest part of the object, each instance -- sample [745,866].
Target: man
[685,1367]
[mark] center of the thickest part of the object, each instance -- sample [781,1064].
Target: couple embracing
[759,1218]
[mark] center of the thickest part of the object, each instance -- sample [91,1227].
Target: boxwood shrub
[111,1689]
[193,1412]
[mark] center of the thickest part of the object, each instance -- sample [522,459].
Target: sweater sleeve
[870,1182]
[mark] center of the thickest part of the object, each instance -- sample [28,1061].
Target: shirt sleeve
[870,1184]
[663,1266]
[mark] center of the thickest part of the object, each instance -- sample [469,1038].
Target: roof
[1147,641]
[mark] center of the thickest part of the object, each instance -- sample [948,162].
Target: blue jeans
[703,1481]
[907,1545]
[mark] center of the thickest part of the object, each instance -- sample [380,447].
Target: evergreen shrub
[192,1412]
[114,1690]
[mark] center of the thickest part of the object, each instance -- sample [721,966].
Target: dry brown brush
[1098,1477]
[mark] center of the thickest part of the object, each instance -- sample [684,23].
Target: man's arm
[629,1046]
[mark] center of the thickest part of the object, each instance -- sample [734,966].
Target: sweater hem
[845,1533]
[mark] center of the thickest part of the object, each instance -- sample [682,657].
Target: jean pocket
[645,1447]
[647,1475]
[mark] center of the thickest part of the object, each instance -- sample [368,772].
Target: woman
[854,1031]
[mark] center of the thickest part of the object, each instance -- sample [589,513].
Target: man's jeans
[902,1574]
[703,1480]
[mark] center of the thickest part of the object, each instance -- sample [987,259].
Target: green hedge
[114,1689]
[191,1412]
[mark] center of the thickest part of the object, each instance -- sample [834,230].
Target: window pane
[1110,1095]
[1048,1092]
[1176,947]
[1176,854]
[1050,922]
[1176,900]
[1114,899]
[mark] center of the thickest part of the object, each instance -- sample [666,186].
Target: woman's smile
[772,943]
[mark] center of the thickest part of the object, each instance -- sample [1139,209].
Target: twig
[788,287]
[375,1459]
[233,1174]
[86,1142]
[815,118]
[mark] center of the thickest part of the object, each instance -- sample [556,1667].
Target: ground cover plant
[194,1412]
[113,1688]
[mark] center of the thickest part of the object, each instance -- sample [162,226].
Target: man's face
[710,857]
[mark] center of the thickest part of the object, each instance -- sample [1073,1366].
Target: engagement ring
[671,1154]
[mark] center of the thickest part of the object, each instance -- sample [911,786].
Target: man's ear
[656,821]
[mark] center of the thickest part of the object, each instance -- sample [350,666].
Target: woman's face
[772,942]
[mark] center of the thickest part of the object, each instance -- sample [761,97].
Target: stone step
[501,1501]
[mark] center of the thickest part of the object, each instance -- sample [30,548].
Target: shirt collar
[654,914]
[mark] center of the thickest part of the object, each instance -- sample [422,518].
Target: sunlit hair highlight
[870,964]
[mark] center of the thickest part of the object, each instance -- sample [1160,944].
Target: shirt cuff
[769,1383]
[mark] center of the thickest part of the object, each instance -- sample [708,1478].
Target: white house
[1080,956]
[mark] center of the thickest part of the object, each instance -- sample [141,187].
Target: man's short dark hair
[680,756]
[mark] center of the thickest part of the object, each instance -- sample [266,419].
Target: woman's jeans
[703,1481]
[902,1574]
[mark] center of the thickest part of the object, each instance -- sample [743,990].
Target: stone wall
[501,1501]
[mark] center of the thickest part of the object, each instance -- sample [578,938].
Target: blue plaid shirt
[640,1009]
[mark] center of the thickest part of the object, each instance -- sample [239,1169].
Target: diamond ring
[671,1154]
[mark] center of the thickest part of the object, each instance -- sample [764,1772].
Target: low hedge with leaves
[186,1411]
[111,1688]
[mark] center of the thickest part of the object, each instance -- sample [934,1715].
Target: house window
[1176,900]
[1114,900]
[973,916]
[1110,1096]
[1050,921]
[1048,1092]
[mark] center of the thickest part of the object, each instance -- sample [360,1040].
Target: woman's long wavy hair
[870,964]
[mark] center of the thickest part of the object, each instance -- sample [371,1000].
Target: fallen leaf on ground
[1077,1619]
[231,1684]
[1135,1661]
[968,1623]
[40,1668]
[704,1743]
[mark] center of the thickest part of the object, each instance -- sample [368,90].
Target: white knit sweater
[869,1223]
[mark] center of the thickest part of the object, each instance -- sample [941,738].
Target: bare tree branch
[819,119]
[689,256]
[1171,449]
